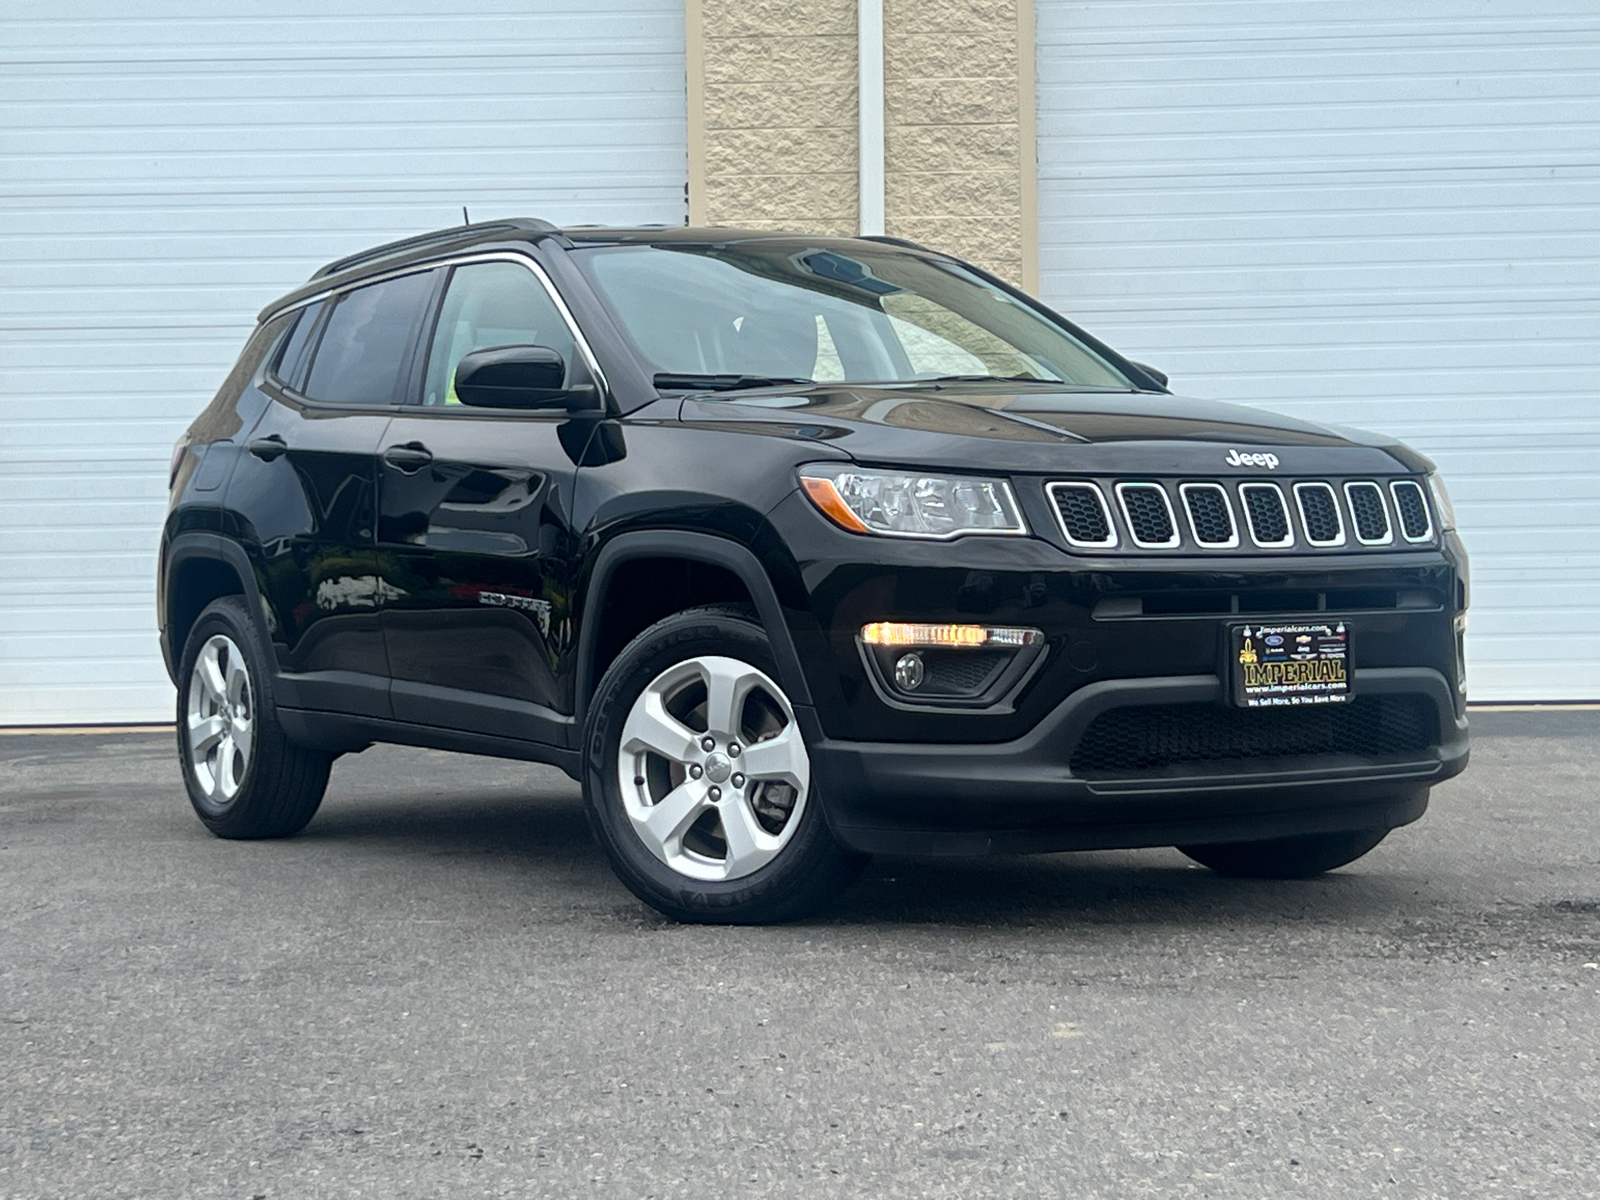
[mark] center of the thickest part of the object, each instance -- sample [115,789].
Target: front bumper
[1022,795]
[1134,632]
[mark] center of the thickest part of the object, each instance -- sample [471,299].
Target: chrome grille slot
[1266,515]
[1319,514]
[1416,524]
[1084,515]
[1369,513]
[1210,515]
[1149,515]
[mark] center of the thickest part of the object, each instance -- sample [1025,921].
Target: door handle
[409,458]
[268,448]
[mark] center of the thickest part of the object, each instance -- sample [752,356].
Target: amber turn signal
[826,497]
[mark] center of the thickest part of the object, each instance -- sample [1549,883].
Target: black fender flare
[698,547]
[216,548]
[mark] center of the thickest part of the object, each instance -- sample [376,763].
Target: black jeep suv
[795,550]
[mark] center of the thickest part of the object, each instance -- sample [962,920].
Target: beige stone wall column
[959,144]
[773,122]
[772,114]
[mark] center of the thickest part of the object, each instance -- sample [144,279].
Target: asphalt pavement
[439,990]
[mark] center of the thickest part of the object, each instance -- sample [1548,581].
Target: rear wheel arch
[688,570]
[202,568]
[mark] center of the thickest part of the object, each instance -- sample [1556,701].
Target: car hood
[1045,431]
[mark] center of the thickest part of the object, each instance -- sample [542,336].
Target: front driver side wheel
[698,780]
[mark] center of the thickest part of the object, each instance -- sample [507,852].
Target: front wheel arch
[686,546]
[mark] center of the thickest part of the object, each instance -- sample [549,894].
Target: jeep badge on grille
[1235,459]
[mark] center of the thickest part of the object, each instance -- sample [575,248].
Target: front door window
[490,304]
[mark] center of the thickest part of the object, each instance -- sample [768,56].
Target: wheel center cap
[718,767]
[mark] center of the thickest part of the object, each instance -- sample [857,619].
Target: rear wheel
[698,780]
[245,778]
[1287,858]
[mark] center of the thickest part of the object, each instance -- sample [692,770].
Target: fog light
[909,672]
[973,667]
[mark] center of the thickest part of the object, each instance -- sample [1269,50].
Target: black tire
[281,784]
[1287,858]
[809,869]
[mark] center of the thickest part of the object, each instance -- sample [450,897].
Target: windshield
[742,314]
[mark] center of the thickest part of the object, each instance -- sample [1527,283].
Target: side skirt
[340,733]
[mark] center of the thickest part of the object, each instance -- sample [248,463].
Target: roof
[422,247]
[532,227]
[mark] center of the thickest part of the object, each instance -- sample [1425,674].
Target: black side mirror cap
[1159,376]
[519,377]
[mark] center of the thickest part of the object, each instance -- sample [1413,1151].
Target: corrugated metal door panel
[1376,215]
[171,166]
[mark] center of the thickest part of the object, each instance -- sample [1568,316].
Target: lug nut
[708,744]
[715,794]
[733,749]
[696,770]
[737,780]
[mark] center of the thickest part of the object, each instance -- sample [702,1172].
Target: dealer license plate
[1280,665]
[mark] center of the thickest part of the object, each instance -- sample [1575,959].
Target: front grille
[1413,509]
[1319,514]
[1249,514]
[1085,519]
[1266,514]
[1371,517]
[1210,515]
[1149,515]
[1150,737]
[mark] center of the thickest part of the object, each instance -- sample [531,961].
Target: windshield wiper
[987,379]
[722,383]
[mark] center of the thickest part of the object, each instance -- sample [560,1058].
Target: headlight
[1441,502]
[906,505]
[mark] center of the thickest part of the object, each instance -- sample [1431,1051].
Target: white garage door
[1383,215]
[169,166]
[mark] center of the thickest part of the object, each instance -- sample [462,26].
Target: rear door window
[367,341]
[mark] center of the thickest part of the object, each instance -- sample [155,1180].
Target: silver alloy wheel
[220,720]
[712,769]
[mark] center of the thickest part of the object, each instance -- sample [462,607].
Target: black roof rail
[438,237]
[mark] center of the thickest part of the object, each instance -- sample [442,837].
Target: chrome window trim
[1105,511]
[1427,510]
[461,260]
[1227,502]
[1172,517]
[1250,522]
[1300,508]
[1355,524]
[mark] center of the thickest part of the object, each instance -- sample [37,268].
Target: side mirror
[518,377]
[1159,376]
